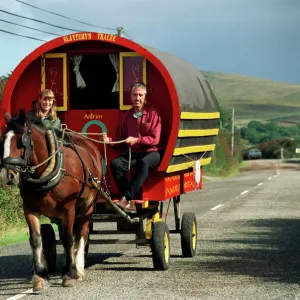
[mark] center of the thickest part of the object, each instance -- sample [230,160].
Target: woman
[44,113]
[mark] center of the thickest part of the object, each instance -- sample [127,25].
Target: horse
[56,181]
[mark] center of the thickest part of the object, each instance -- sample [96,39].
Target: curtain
[114,58]
[79,80]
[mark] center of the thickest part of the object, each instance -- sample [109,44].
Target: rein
[21,164]
[83,135]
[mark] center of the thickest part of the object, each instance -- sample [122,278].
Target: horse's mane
[16,126]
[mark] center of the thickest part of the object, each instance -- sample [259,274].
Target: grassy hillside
[255,98]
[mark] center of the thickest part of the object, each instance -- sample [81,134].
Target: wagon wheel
[160,246]
[49,246]
[188,234]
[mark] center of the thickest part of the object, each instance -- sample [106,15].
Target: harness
[23,165]
[45,184]
[20,164]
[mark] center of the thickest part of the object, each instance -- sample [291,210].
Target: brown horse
[64,192]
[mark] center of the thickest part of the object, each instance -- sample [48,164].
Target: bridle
[22,164]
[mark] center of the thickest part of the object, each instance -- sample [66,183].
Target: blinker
[25,139]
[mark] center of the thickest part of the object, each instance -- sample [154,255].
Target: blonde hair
[52,112]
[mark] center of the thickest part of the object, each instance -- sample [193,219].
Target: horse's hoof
[80,277]
[37,289]
[38,284]
[66,283]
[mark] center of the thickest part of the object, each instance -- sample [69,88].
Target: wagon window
[132,69]
[99,77]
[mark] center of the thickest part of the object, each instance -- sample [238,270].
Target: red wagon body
[91,75]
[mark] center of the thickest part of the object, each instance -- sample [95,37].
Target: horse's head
[16,148]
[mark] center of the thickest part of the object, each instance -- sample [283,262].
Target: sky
[259,38]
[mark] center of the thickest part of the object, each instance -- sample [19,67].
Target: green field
[256,99]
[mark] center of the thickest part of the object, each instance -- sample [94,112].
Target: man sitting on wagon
[140,127]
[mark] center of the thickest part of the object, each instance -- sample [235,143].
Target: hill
[255,98]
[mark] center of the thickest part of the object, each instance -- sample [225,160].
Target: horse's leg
[81,237]
[67,240]
[35,239]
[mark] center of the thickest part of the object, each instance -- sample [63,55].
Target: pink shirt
[146,127]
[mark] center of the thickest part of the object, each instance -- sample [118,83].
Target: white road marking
[216,207]
[19,296]
[261,183]
[270,178]
[244,192]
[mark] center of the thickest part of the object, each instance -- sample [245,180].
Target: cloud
[217,35]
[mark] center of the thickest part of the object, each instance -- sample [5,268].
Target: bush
[272,149]
[11,207]
[222,161]
[257,132]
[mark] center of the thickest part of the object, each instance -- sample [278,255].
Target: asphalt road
[248,248]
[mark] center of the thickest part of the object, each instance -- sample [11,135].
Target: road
[248,248]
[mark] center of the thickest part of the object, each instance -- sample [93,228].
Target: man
[140,127]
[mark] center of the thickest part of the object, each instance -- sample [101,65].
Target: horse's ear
[7,117]
[22,117]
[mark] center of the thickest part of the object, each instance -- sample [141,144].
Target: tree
[3,81]
[225,117]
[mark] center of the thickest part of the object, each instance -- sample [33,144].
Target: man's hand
[131,140]
[103,137]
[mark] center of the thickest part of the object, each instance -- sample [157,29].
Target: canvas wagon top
[91,74]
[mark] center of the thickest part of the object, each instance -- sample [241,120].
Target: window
[99,76]
[132,69]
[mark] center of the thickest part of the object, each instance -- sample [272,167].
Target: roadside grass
[20,233]
[14,235]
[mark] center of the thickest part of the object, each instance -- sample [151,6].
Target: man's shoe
[122,203]
[130,207]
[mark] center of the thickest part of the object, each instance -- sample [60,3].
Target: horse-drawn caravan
[91,75]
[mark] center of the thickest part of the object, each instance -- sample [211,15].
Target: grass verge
[14,235]
[19,233]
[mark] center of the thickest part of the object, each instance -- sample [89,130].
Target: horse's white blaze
[3,174]
[79,260]
[7,144]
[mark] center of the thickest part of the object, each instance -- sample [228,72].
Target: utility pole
[120,31]
[232,132]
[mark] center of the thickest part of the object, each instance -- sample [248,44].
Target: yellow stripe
[193,149]
[197,132]
[199,116]
[184,166]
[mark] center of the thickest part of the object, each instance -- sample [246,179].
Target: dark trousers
[143,162]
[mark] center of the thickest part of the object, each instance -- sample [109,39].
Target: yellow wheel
[188,235]
[160,246]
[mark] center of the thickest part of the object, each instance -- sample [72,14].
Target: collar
[144,111]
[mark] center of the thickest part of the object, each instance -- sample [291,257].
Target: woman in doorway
[44,114]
